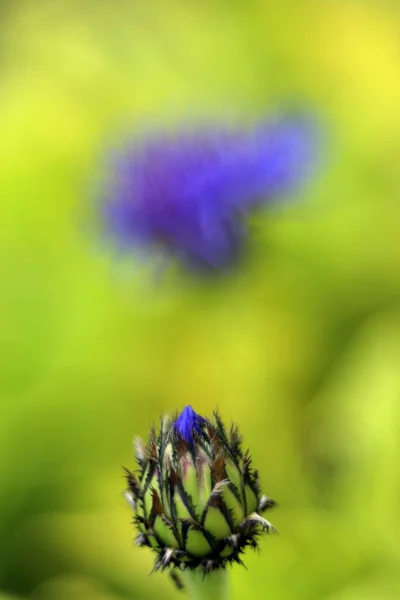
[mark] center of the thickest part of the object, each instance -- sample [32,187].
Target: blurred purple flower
[188,193]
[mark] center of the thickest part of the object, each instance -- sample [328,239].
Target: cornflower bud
[196,498]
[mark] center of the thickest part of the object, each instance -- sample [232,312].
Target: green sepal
[165,503]
[227,551]
[140,508]
[189,480]
[235,476]
[204,488]
[251,500]
[233,504]
[181,509]
[148,501]
[196,543]
[165,533]
[215,523]
[153,541]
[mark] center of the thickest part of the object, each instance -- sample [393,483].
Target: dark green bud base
[196,502]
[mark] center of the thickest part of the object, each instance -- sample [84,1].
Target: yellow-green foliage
[301,346]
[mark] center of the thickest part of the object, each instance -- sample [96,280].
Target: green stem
[213,586]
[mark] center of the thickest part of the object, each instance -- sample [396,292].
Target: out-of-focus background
[300,346]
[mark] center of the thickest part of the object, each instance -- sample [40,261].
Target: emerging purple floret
[188,193]
[188,423]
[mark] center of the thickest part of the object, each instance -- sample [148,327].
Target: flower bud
[196,497]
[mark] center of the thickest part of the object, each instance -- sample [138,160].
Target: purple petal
[188,423]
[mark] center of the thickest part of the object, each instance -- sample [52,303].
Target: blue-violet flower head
[189,192]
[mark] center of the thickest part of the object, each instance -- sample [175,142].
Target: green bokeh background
[300,346]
